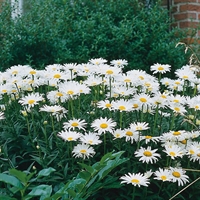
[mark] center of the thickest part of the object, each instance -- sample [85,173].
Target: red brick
[185,1]
[188,24]
[189,7]
[182,16]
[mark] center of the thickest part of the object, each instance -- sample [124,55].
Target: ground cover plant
[92,131]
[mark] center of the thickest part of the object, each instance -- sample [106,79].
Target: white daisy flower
[118,133]
[69,135]
[103,125]
[90,138]
[147,155]
[160,68]
[139,126]
[163,175]
[135,179]
[174,151]
[131,134]
[83,151]
[178,175]
[72,124]
[31,99]
[122,105]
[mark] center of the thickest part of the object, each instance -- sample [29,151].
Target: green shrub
[64,31]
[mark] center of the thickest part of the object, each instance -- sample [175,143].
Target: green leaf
[19,174]
[11,180]
[87,167]
[46,172]
[85,175]
[41,190]
[2,197]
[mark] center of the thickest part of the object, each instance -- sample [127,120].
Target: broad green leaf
[71,193]
[87,167]
[19,174]
[85,175]
[46,172]
[2,197]
[11,180]
[41,190]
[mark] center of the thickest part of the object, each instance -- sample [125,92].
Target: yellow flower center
[176,133]
[70,92]
[57,76]
[135,105]
[177,83]
[185,77]
[143,100]
[147,153]
[172,153]
[129,133]
[15,72]
[108,105]
[163,96]
[104,125]
[184,141]
[59,94]
[32,72]
[135,181]
[191,152]
[196,107]
[31,101]
[122,108]
[4,91]
[147,84]
[141,77]
[127,80]
[176,101]
[109,71]
[139,128]
[74,124]
[198,154]
[160,68]
[177,109]
[148,137]
[70,138]
[117,135]
[90,141]
[176,174]
[163,177]
[83,151]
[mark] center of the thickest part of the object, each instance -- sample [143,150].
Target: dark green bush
[63,31]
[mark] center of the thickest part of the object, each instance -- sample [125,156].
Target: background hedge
[65,31]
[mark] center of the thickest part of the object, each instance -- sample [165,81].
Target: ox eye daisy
[135,179]
[75,123]
[103,125]
[90,138]
[160,68]
[163,175]
[174,151]
[69,135]
[178,175]
[83,151]
[31,100]
[147,155]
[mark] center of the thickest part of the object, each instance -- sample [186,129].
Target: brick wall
[186,13]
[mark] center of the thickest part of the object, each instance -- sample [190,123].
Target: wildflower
[75,123]
[57,96]
[103,125]
[70,88]
[90,138]
[147,155]
[163,175]
[97,61]
[56,109]
[106,104]
[142,99]
[69,135]
[177,108]
[174,151]
[139,126]
[83,151]
[135,179]
[31,99]
[160,68]
[149,138]
[118,133]
[131,134]
[178,175]
[122,105]
[185,73]
[119,63]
